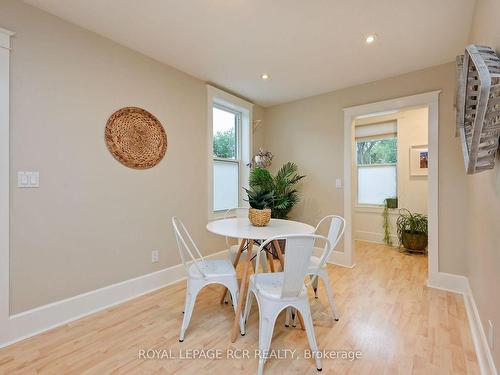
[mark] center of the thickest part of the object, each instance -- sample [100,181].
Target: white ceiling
[307,46]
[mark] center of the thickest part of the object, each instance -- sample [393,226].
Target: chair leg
[311,337]
[287,316]
[231,257]
[267,319]
[191,292]
[248,307]
[329,292]
[232,286]
[315,286]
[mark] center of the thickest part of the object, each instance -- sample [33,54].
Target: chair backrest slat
[297,255]
[335,232]
[299,248]
[188,250]
[238,212]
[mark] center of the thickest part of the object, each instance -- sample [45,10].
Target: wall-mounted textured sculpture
[478,106]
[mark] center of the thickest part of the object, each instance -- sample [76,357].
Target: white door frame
[5,36]
[431,101]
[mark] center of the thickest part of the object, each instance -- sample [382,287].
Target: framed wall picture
[419,160]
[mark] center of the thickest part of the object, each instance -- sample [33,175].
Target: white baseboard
[40,319]
[339,258]
[448,281]
[483,352]
[374,237]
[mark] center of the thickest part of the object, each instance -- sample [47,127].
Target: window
[229,124]
[376,159]
[226,157]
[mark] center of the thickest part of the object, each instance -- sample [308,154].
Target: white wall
[412,129]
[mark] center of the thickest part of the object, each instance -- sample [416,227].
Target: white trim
[448,282]
[44,318]
[431,101]
[339,258]
[215,95]
[483,351]
[4,181]
[373,209]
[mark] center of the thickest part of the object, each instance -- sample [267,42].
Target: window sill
[375,209]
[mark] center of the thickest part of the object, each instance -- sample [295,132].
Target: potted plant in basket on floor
[412,230]
[260,201]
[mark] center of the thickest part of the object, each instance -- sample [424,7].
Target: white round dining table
[242,228]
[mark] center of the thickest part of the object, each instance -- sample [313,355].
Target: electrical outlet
[155,256]
[491,334]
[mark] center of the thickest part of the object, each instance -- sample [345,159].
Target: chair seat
[270,285]
[212,267]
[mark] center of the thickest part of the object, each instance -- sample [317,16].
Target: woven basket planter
[259,218]
[416,242]
[478,107]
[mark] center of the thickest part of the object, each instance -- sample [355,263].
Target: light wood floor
[387,313]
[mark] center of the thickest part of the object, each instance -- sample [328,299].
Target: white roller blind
[373,130]
[376,183]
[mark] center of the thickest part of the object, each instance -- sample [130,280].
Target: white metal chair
[232,250]
[201,272]
[277,291]
[335,232]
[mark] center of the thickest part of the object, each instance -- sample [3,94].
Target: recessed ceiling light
[265,76]
[371,38]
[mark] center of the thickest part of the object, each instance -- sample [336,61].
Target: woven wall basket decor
[135,138]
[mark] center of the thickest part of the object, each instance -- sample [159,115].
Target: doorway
[390,171]
[430,101]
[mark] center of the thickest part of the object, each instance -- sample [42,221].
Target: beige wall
[310,132]
[94,222]
[258,128]
[412,130]
[483,193]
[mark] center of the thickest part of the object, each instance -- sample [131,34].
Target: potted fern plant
[412,230]
[283,185]
[260,200]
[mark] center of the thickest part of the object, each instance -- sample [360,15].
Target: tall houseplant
[412,230]
[389,203]
[283,185]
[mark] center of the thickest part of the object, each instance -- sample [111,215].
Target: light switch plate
[28,179]
[338,183]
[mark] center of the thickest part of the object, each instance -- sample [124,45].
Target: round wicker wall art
[136,138]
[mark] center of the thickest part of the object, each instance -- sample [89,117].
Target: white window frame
[226,101]
[358,205]
[6,333]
